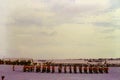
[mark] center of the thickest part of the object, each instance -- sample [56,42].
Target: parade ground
[18,74]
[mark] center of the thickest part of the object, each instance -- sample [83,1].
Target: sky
[60,29]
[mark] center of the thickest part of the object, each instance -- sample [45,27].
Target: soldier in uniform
[100,69]
[38,68]
[80,69]
[106,69]
[95,69]
[85,69]
[65,69]
[75,69]
[48,68]
[43,68]
[60,68]
[90,69]
[53,68]
[70,69]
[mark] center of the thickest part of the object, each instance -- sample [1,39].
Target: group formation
[66,69]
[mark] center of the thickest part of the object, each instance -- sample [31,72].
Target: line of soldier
[69,69]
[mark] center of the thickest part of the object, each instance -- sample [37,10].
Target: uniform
[48,68]
[75,69]
[85,69]
[95,69]
[60,68]
[38,68]
[65,69]
[43,68]
[100,69]
[53,68]
[106,69]
[90,69]
[70,69]
[80,69]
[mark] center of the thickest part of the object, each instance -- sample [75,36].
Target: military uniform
[53,68]
[70,69]
[106,69]
[48,68]
[43,68]
[85,69]
[80,69]
[90,69]
[65,69]
[38,68]
[100,69]
[95,69]
[60,68]
[75,69]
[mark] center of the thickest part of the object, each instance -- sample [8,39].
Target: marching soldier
[106,69]
[95,69]
[85,69]
[90,69]
[48,68]
[100,69]
[75,69]
[65,69]
[70,69]
[60,68]
[38,68]
[80,69]
[31,68]
[43,68]
[53,68]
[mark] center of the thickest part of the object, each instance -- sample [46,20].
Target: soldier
[60,68]
[90,69]
[85,69]
[80,69]
[65,69]
[75,69]
[106,69]
[38,68]
[100,69]
[43,68]
[28,68]
[48,68]
[53,68]
[95,69]
[70,69]
[33,68]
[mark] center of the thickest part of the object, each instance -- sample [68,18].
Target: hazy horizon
[66,29]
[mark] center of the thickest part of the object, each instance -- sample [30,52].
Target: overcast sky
[47,29]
